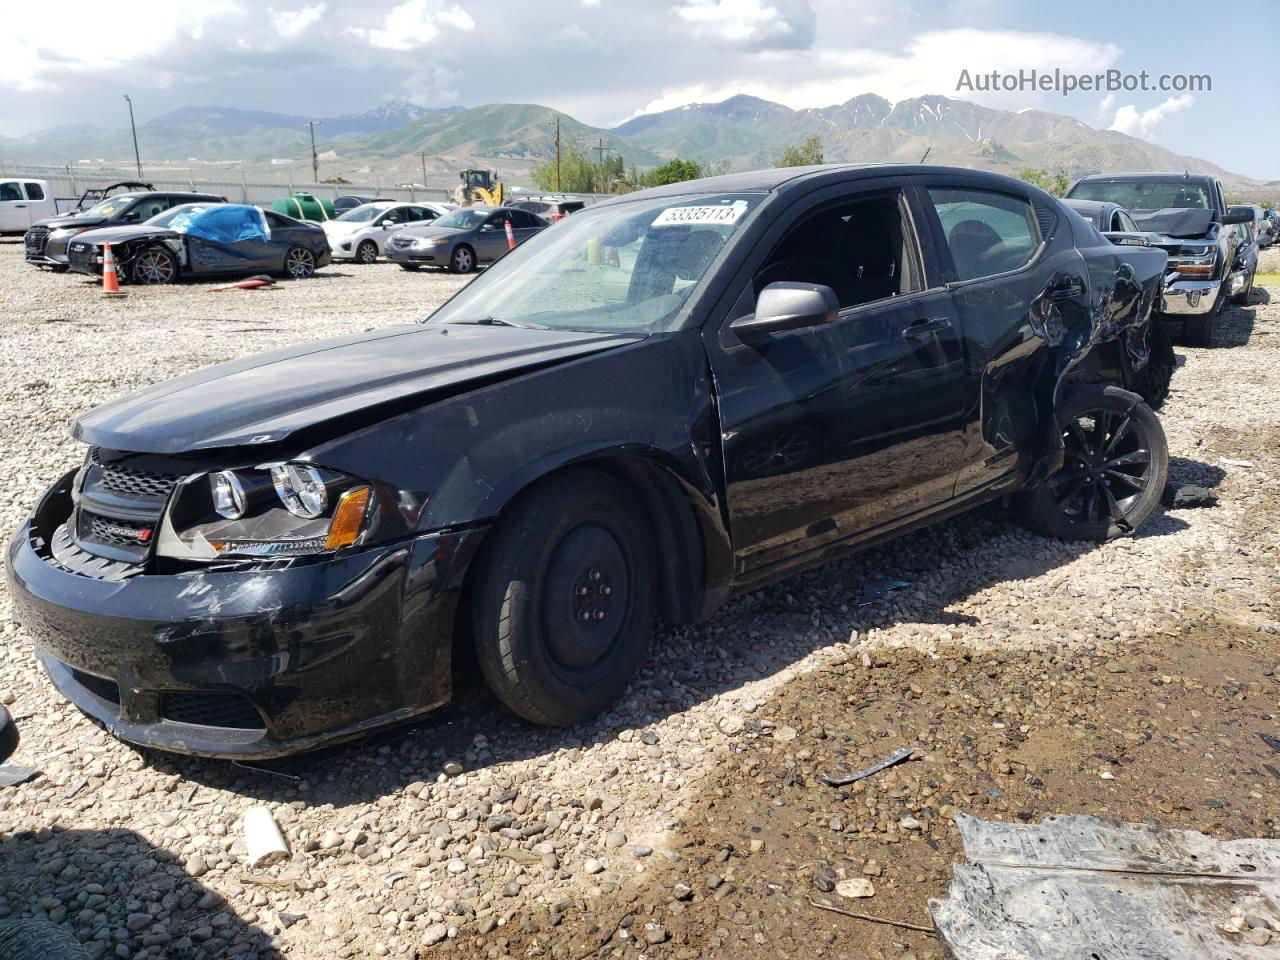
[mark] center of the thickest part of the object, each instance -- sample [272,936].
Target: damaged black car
[669,398]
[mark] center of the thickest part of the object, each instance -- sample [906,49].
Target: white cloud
[930,63]
[1142,123]
[737,21]
[415,23]
[293,23]
[37,54]
[591,3]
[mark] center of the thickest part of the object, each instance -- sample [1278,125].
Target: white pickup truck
[23,201]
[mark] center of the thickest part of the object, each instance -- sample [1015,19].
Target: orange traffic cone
[110,283]
[511,237]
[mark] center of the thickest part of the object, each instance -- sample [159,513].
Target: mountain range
[741,132]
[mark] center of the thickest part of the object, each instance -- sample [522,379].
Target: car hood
[1175,221]
[264,399]
[123,233]
[345,226]
[69,220]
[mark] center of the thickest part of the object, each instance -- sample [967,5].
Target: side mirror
[787,306]
[1237,215]
[384,224]
[130,216]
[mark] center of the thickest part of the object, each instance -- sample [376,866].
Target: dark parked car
[46,241]
[669,398]
[204,240]
[1190,213]
[550,209]
[463,239]
[1245,266]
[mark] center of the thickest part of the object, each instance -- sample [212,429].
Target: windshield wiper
[496,322]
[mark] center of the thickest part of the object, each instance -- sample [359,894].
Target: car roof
[780,178]
[1147,177]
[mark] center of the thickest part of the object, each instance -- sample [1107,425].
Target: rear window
[1145,194]
[35,191]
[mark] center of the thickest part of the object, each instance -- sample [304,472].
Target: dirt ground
[1029,676]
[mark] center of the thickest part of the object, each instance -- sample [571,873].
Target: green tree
[807,154]
[1056,183]
[577,173]
[673,171]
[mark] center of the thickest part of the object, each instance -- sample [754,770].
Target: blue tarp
[229,223]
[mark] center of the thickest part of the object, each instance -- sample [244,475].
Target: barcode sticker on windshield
[680,216]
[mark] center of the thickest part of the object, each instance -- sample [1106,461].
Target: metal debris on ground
[1227,461]
[1182,497]
[884,764]
[877,588]
[1078,886]
[264,843]
[1270,741]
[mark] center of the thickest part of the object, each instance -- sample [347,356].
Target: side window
[987,232]
[419,214]
[395,215]
[10,191]
[862,249]
[526,220]
[34,191]
[150,207]
[277,222]
[1125,222]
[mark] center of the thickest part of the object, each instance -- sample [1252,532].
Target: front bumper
[1189,297]
[432,256]
[246,662]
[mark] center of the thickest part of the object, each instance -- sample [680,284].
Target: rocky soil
[1030,677]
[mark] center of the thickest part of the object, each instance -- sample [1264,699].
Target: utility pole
[601,150]
[137,157]
[315,158]
[557,123]
[424,169]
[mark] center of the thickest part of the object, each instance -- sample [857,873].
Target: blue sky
[605,60]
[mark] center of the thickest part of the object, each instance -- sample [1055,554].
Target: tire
[1152,381]
[563,606]
[299,263]
[366,252]
[463,259]
[59,268]
[1116,468]
[1242,298]
[32,939]
[153,265]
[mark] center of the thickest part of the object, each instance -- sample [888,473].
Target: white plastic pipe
[264,843]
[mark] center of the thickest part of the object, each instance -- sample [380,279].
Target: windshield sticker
[719,214]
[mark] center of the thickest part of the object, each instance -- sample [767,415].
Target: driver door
[833,433]
[491,238]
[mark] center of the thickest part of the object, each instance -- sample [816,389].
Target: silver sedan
[464,239]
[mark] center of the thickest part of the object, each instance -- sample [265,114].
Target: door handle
[19,206]
[924,327]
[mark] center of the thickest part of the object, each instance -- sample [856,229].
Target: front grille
[100,687]
[211,710]
[35,240]
[131,481]
[401,242]
[122,532]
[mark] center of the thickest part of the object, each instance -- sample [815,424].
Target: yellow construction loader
[478,186]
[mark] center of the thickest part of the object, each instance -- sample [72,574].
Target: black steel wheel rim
[154,266]
[585,598]
[1107,468]
[301,263]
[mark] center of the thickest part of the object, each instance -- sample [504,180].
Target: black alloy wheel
[563,606]
[1115,469]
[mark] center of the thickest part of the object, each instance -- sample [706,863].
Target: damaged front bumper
[249,662]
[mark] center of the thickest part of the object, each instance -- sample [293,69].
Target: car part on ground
[355,508]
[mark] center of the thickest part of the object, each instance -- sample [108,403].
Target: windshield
[167,218]
[1145,194]
[626,267]
[463,219]
[360,214]
[108,207]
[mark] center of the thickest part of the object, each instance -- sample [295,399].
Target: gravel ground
[1032,676]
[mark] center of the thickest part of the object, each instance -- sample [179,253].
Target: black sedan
[667,399]
[204,239]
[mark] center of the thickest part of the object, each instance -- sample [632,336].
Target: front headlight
[425,243]
[275,510]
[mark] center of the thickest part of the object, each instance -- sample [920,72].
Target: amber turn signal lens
[348,519]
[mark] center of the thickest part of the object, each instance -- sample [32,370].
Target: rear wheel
[154,265]
[1116,466]
[299,263]
[564,604]
[367,252]
[463,259]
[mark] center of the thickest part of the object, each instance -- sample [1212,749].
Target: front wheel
[1115,469]
[299,263]
[367,252]
[563,606]
[154,265]
[1242,298]
[463,259]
